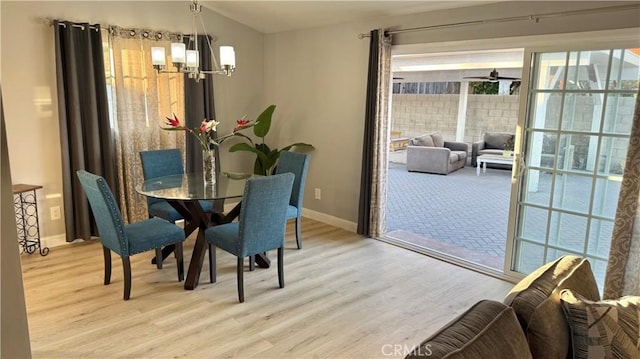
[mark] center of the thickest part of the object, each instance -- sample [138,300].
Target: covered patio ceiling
[454,66]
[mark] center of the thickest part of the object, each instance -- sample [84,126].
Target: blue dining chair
[127,239]
[261,225]
[298,164]
[160,163]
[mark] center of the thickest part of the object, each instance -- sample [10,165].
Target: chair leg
[159,258]
[252,263]
[107,265]
[179,261]
[126,266]
[299,232]
[281,267]
[240,269]
[212,263]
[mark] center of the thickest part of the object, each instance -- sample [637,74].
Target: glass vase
[209,168]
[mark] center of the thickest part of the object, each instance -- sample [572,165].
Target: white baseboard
[60,239]
[330,220]
[53,241]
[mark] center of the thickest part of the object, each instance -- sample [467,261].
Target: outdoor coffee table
[499,159]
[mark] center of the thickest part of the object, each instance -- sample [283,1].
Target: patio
[460,214]
[465,215]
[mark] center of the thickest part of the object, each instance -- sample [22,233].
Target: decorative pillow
[488,329]
[536,301]
[604,329]
[424,140]
[438,141]
[496,140]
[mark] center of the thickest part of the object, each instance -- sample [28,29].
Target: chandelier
[188,60]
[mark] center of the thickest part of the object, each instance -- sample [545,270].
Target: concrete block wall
[414,115]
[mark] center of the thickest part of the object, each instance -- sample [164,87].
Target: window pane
[605,197]
[571,193]
[587,70]
[550,70]
[577,152]
[546,110]
[568,231]
[534,226]
[530,257]
[613,155]
[600,238]
[538,188]
[624,70]
[619,113]
[581,112]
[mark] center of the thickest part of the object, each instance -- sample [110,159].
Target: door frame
[532,43]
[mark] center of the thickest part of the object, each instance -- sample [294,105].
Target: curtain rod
[535,18]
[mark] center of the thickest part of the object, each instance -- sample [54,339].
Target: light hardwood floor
[345,297]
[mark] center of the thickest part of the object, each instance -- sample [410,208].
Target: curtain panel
[199,105]
[141,100]
[373,181]
[623,267]
[86,137]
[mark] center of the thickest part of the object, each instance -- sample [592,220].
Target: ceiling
[278,16]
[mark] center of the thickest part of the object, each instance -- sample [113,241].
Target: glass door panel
[576,134]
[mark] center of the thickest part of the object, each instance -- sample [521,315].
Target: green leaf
[263,123]
[243,147]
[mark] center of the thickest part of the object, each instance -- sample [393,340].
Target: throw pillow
[438,141]
[496,140]
[603,329]
[424,140]
[488,329]
[536,301]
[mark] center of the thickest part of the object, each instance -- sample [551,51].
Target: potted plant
[508,147]
[266,157]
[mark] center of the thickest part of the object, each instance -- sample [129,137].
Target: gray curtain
[623,268]
[373,187]
[85,133]
[198,105]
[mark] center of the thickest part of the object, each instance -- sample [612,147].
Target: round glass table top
[191,186]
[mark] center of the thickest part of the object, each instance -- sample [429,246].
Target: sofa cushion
[491,152]
[462,155]
[438,140]
[453,158]
[604,329]
[480,332]
[536,301]
[496,139]
[424,140]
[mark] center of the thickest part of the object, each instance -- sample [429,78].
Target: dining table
[184,193]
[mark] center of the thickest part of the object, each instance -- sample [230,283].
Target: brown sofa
[539,318]
[432,154]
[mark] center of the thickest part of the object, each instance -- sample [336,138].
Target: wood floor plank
[345,296]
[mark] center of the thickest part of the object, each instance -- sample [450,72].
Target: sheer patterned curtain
[373,183]
[623,269]
[140,99]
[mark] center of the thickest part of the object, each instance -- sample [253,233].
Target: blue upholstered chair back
[263,213]
[296,163]
[160,163]
[105,212]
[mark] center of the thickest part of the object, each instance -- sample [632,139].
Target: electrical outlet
[318,193]
[55,213]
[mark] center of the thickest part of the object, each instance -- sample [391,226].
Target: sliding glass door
[579,113]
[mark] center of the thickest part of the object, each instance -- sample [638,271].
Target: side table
[26,208]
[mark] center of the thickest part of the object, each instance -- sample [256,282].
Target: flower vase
[209,168]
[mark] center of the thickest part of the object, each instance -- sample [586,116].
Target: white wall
[28,69]
[317,77]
